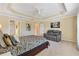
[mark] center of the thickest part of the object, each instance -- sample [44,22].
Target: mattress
[27,43]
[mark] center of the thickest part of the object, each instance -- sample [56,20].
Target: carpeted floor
[62,48]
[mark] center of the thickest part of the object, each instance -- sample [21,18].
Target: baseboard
[69,41]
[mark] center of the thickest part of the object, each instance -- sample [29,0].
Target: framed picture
[55,25]
[28,27]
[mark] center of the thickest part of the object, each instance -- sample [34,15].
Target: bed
[29,46]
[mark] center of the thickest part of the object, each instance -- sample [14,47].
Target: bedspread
[27,43]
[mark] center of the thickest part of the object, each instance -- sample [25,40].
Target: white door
[42,29]
[12,27]
[37,28]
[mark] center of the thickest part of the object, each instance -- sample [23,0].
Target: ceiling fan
[37,12]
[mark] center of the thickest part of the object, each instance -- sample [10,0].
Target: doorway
[12,27]
[39,29]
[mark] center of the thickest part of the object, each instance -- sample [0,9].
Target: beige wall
[4,21]
[67,26]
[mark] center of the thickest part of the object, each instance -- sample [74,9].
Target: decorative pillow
[7,40]
[17,39]
[2,43]
[13,40]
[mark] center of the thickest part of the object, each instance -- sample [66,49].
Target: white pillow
[17,39]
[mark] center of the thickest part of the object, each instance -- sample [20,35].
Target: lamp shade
[0,26]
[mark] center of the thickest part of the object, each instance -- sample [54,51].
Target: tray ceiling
[39,10]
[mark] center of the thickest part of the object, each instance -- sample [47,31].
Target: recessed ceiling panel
[38,10]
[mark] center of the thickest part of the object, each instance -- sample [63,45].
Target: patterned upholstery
[27,43]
